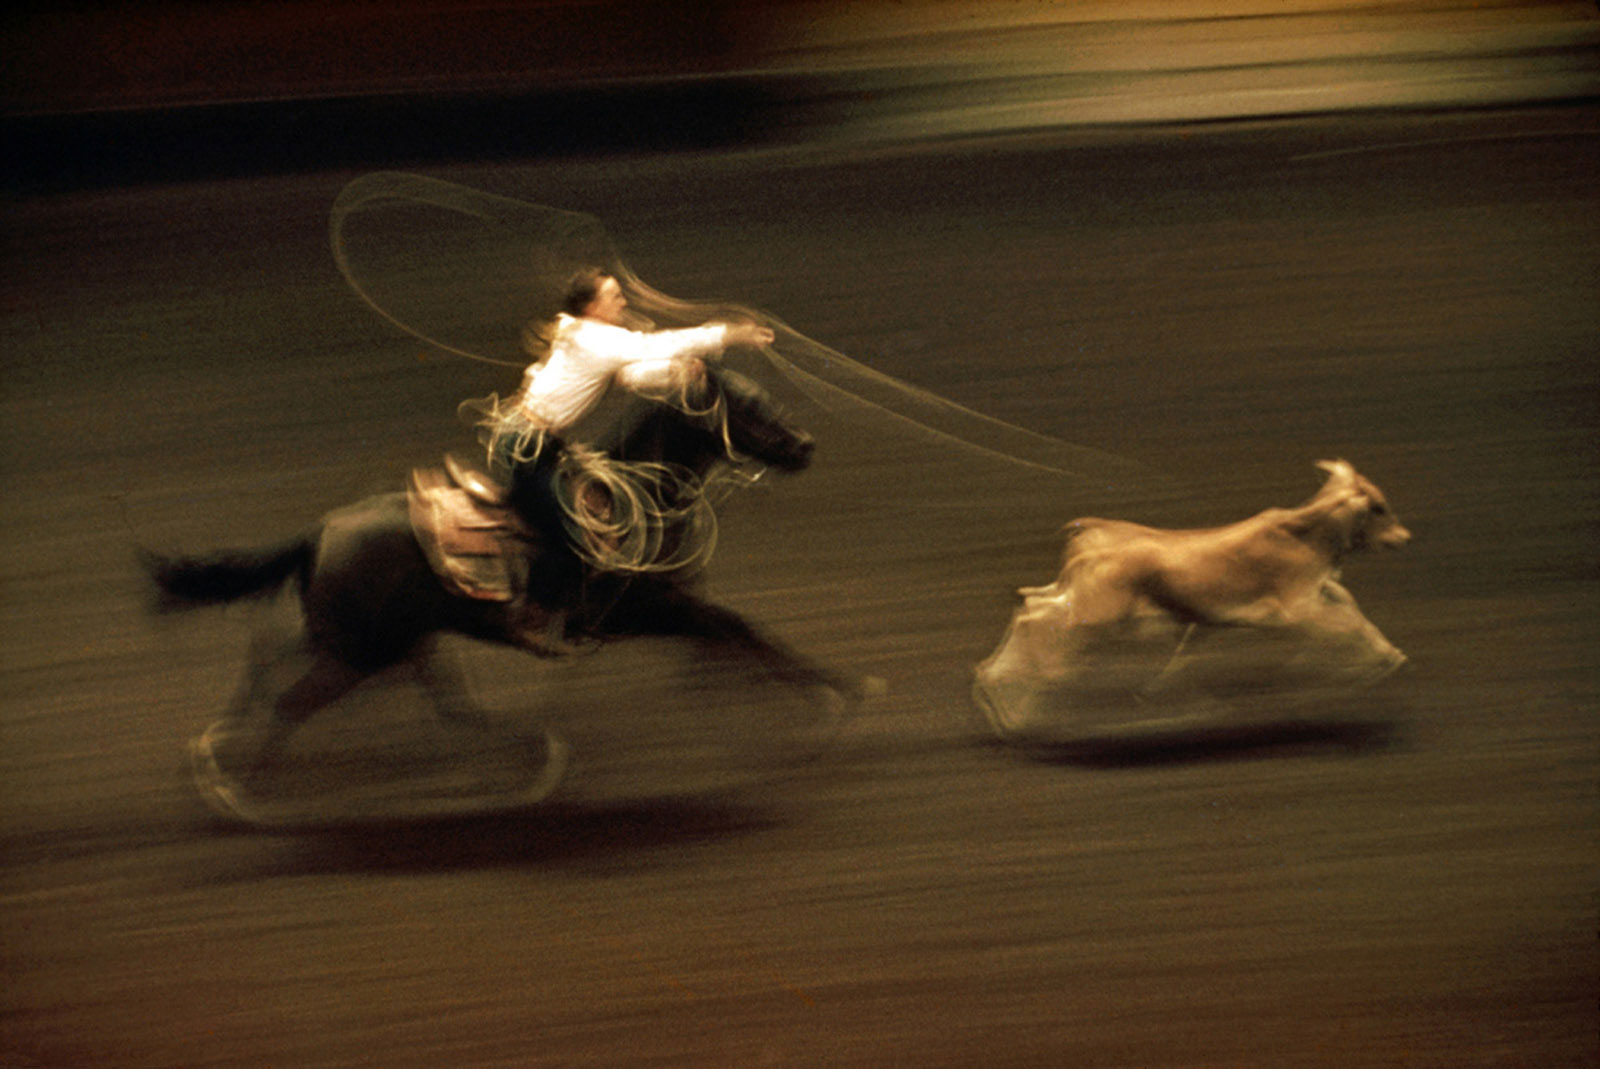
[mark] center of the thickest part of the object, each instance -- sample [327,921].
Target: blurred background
[244,86]
[1217,241]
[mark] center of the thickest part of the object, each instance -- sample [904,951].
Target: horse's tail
[216,578]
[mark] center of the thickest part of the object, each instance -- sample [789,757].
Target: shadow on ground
[1223,744]
[555,837]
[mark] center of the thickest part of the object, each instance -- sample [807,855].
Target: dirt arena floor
[1412,884]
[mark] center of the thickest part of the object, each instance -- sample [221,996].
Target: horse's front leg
[444,684]
[442,681]
[675,612]
[508,759]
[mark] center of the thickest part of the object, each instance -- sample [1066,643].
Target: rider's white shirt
[587,356]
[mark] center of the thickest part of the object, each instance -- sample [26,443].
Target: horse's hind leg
[326,681]
[248,747]
[231,757]
[276,660]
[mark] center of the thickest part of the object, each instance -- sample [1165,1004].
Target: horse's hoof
[219,791]
[557,756]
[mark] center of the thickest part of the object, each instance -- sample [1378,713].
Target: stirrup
[474,482]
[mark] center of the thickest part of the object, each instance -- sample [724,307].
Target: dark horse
[370,600]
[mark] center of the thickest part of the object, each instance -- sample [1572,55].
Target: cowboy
[590,351]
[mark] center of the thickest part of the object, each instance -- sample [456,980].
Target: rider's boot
[539,618]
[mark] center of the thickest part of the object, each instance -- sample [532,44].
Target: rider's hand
[751,334]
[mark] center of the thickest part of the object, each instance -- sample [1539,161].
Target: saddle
[472,538]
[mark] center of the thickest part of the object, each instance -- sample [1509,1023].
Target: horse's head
[734,419]
[759,431]
[756,428]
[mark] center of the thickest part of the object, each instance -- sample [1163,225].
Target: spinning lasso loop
[405,243]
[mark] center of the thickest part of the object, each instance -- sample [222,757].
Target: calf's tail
[217,578]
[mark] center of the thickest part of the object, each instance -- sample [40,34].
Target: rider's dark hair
[583,289]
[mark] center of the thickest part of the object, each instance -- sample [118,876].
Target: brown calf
[1135,609]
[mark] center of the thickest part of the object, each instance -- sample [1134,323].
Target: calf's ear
[1336,469]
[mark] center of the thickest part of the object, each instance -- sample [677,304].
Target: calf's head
[1357,510]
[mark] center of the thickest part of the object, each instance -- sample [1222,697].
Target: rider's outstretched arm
[655,377]
[621,347]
